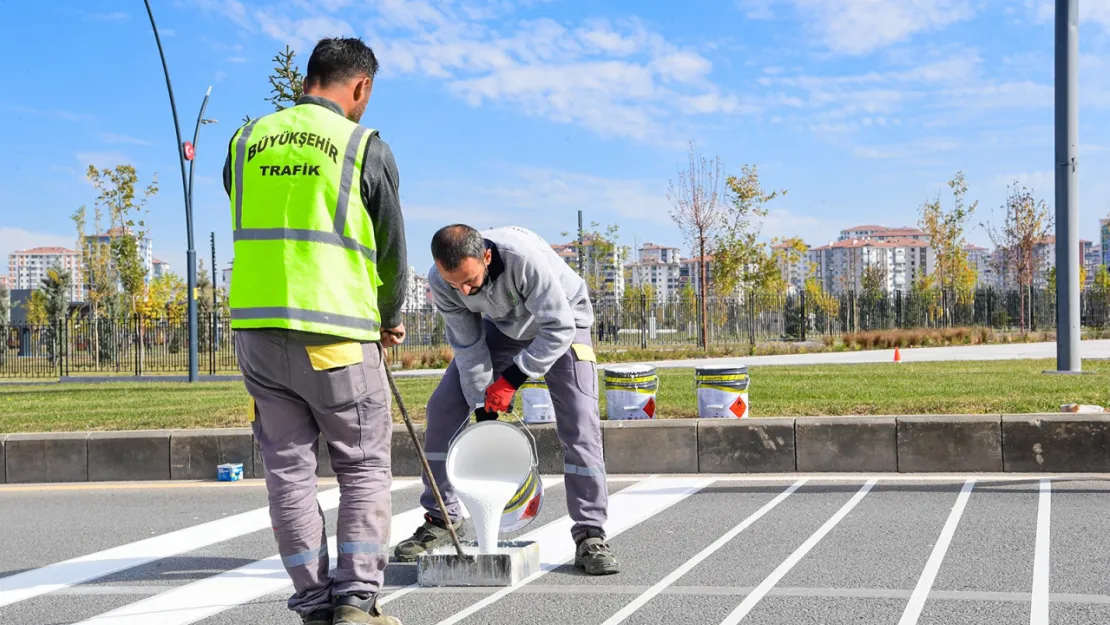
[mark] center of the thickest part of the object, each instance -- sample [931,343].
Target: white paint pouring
[487,463]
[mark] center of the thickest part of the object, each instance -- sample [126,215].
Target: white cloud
[1041,183]
[614,77]
[111,137]
[101,160]
[12,239]
[69,116]
[1097,11]
[857,27]
[108,17]
[917,147]
[237,59]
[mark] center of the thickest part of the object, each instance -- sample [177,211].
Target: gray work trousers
[574,394]
[295,401]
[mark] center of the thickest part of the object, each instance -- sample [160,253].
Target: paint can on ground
[722,392]
[630,391]
[535,399]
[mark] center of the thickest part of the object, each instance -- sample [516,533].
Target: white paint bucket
[535,399]
[722,392]
[493,468]
[630,392]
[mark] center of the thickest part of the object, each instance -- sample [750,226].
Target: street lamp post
[1067,190]
[186,187]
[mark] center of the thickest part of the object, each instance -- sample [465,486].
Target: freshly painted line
[751,600]
[201,599]
[212,595]
[548,481]
[932,566]
[54,577]
[1038,612]
[639,602]
[627,508]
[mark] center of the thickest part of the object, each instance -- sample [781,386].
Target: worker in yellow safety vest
[317,286]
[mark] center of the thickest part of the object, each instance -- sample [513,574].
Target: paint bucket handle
[523,426]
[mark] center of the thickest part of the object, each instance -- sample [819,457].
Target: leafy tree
[1025,224]
[118,196]
[739,259]
[873,280]
[165,297]
[100,282]
[601,253]
[1050,277]
[946,232]
[5,309]
[699,213]
[35,308]
[286,81]
[818,299]
[55,289]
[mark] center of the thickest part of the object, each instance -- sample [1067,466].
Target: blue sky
[861,109]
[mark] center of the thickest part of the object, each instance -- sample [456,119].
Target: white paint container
[494,470]
[722,392]
[630,392]
[536,404]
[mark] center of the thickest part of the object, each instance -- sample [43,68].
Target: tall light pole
[190,253]
[1067,196]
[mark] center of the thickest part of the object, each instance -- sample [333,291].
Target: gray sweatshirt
[531,294]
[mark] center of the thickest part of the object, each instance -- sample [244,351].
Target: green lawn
[879,389]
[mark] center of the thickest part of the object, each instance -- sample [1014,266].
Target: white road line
[60,575]
[662,585]
[627,508]
[1038,613]
[212,595]
[932,566]
[766,585]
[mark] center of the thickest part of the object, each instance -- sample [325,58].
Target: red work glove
[499,395]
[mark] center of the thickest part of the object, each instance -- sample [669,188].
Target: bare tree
[698,212]
[1026,224]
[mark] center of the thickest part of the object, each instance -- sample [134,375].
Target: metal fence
[143,346]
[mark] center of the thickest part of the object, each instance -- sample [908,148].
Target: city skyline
[543,108]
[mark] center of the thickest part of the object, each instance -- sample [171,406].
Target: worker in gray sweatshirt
[514,310]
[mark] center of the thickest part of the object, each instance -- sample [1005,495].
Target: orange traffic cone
[897,355]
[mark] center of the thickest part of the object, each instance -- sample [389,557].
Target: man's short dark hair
[339,59]
[453,244]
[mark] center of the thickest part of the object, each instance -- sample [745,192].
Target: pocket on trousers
[585,369]
[340,380]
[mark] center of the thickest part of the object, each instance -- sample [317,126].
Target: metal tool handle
[423,458]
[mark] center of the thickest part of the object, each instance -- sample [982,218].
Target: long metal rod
[1067,196]
[190,252]
[423,459]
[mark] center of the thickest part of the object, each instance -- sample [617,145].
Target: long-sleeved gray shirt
[531,294]
[380,192]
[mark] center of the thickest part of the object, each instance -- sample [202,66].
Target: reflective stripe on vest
[305,258]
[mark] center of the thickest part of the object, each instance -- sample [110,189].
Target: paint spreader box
[511,563]
[231,472]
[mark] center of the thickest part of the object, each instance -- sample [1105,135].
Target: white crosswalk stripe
[23,586]
[933,541]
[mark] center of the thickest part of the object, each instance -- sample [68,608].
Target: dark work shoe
[360,610]
[429,536]
[593,554]
[323,616]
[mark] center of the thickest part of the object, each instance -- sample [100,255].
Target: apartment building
[840,265]
[6,282]
[606,269]
[793,266]
[28,268]
[659,267]
[418,291]
[1044,258]
[882,233]
[159,268]
[146,247]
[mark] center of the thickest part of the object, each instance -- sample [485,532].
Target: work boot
[593,554]
[360,609]
[430,535]
[322,616]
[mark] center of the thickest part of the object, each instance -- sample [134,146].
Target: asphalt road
[792,550]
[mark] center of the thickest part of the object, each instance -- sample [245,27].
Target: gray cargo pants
[572,383]
[301,390]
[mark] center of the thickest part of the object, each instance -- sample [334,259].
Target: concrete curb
[1034,443]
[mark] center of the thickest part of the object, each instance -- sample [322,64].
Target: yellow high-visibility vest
[305,253]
